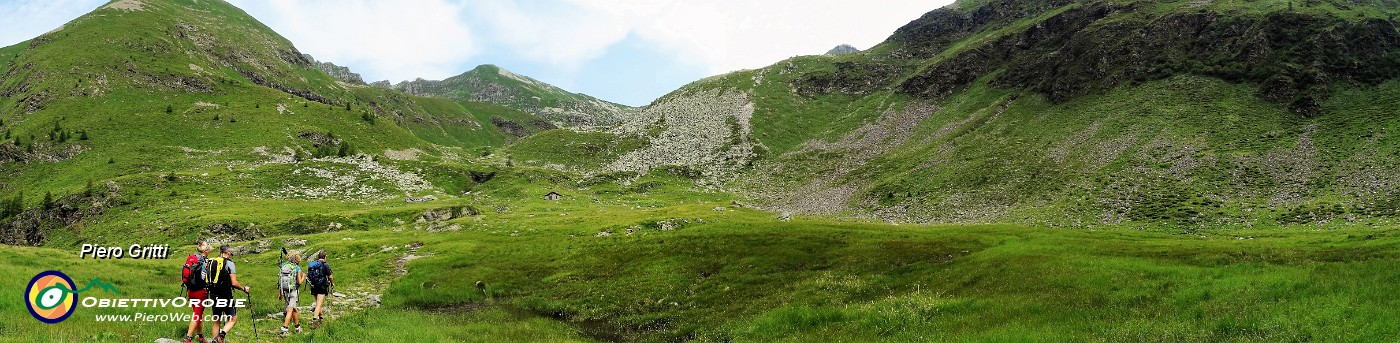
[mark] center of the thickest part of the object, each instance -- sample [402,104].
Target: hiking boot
[284,331]
[298,328]
[189,339]
[200,338]
[220,338]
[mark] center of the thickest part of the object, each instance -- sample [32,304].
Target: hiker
[223,279]
[319,273]
[192,279]
[289,280]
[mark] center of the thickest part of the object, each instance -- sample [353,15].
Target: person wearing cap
[223,280]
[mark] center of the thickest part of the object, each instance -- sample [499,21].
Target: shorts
[319,290]
[229,311]
[197,301]
[291,298]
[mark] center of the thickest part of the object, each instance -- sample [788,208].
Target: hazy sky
[627,51]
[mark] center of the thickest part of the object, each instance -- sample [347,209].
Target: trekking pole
[330,289]
[252,315]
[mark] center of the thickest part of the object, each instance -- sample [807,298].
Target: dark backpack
[316,273]
[216,275]
[192,275]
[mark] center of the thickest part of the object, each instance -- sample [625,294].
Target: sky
[625,51]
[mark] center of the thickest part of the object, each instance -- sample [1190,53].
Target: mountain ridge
[946,120]
[1178,203]
[493,84]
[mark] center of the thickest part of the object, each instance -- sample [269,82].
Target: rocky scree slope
[1077,113]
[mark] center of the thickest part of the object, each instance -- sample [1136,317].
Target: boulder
[420,199]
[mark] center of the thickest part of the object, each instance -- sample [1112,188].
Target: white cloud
[405,39]
[722,35]
[395,40]
[558,33]
[27,19]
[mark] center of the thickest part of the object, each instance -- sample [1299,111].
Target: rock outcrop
[842,50]
[1294,56]
[338,72]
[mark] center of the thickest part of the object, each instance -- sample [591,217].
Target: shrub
[345,149]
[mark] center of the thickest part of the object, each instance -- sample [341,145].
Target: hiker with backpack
[222,280]
[289,280]
[192,280]
[319,274]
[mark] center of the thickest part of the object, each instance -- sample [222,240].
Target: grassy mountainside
[1080,113]
[148,95]
[492,84]
[1262,177]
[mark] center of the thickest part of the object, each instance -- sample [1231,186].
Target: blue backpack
[316,273]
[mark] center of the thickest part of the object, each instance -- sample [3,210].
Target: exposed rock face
[842,50]
[492,84]
[446,213]
[338,72]
[850,77]
[39,152]
[29,227]
[1296,56]
[510,127]
[934,31]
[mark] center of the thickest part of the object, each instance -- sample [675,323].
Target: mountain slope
[492,84]
[1077,113]
[417,199]
[158,95]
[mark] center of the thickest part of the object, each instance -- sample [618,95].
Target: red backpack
[192,277]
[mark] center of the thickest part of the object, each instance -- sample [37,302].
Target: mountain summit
[157,86]
[496,85]
[842,50]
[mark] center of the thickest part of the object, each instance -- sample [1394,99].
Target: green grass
[741,276]
[580,150]
[1213,240]
[471,325]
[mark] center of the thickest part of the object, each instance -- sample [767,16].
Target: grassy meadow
[689,270]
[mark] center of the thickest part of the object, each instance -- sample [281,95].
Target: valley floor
[690,272]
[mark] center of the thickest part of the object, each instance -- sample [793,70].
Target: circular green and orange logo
[50,296]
